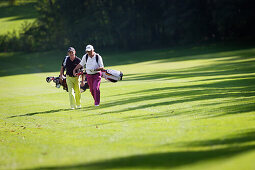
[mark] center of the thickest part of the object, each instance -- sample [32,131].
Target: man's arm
[99,69]
[83,79]
[76,68]
[61,74]
[61,71]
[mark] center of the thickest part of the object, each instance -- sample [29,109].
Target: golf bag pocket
[112,75]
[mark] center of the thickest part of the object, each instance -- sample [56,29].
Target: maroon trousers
[94,81]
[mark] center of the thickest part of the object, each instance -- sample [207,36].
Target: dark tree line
[133,24]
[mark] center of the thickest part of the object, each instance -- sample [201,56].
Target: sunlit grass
[13,18]
[8,25]
[177,110]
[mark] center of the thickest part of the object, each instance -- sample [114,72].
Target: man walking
[94,65]
[68,64]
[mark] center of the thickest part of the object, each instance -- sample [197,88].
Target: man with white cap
[68,64]
[93,63]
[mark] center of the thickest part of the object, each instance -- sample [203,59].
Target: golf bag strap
[87,56]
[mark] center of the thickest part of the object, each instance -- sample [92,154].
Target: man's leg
[90,83]
[77,91]
[96,88]
[70,86]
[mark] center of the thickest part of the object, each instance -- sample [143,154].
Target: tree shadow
[182,53]
[220,111]
[19,12]
[231,110]
[224,89]
[37,62]
[237,80]
[49,61]
[188,93]
[236,139]
[44,112]
[233,146]
[235,69]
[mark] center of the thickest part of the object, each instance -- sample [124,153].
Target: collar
[93,55]
[73,59]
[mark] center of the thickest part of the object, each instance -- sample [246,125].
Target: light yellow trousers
[73,86]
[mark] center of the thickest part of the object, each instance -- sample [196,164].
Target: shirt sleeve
[100,61]
[64,62]
[83,61]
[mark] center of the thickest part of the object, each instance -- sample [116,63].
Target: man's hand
[74,73]
[82,83]
[60,79]
[76,68]
[91,70]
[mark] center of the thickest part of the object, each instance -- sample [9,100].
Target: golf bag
[56,80]
[112,75]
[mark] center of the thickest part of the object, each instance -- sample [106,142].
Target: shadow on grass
[234,70]
[37,62]
[45,112]
[233,146]
[236,81]
[19,12]
[189,93]
[174,54]
[50,61]
[237,139]
[231,110]
[198,114]
[236,89]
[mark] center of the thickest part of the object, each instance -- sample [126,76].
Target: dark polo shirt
[70,65]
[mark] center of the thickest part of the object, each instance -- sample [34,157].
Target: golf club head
[49,79]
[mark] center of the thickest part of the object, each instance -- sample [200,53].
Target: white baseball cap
[89,48]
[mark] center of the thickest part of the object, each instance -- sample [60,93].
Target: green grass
[13,18]
[183,108]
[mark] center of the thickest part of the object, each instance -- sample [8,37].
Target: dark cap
[70,49]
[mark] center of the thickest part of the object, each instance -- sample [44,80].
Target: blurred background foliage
[132,24]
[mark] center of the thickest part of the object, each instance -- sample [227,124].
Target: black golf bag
[56,80]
